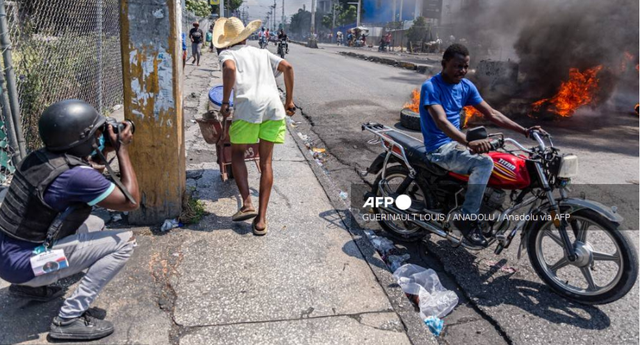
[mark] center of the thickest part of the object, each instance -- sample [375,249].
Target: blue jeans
[458,159]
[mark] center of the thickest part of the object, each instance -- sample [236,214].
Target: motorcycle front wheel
[606,267]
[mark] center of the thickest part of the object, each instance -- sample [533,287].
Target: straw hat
[230,31]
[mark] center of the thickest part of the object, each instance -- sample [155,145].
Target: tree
[419,31]
[229,5]
[349,16]
[233,4]
[200,8]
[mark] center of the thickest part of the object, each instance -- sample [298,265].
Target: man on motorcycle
[282,36]
[262,37]
[442,98]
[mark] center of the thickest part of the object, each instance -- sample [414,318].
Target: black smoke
[578,34]
[548,37]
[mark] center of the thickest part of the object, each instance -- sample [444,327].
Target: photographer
[46,217]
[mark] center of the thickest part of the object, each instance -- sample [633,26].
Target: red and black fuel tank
[509,172]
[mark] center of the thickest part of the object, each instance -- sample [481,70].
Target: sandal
[241,215]
[259,232]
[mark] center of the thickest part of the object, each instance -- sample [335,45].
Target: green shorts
[243,132]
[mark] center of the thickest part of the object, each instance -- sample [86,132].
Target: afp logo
[402,202]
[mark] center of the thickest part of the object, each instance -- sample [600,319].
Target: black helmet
[70,126]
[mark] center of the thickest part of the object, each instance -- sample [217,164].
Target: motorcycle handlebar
[496,144]
[536,135]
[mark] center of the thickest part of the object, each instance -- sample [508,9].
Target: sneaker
[471,232]
[85,327]
[40,293]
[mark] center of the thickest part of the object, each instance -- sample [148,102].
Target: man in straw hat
[259,114]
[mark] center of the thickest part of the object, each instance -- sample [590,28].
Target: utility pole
[220,8]
[283,17]
[313,42]
[418,10]
[313,17]
[153,100]
[393,10]
[333,24]
[401,26]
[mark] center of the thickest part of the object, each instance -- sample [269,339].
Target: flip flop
[241,215]
[259,232]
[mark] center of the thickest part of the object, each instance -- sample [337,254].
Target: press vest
[24,214]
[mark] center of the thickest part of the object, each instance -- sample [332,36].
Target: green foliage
[344,15]
[235,4]
[349,16]
[200,8]
[192,209]
[419,31]
[300,22]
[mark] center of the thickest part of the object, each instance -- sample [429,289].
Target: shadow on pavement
[493,289]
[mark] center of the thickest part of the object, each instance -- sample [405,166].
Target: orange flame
[471,115]
[574,93]
[414,105]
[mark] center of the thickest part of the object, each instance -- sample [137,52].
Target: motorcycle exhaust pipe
[425,225]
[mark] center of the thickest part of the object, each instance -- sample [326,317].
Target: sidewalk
[306,282]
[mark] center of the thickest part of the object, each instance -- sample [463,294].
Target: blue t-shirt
[452,97]
[184,41]
[80,184]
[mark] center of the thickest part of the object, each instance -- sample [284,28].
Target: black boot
[40,293]
[85,327]
[471,232]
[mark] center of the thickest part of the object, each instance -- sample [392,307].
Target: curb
[419,68]
[416,330]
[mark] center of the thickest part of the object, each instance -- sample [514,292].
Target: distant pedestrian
[196,35]
[258,115]
[184,50]
[208,40]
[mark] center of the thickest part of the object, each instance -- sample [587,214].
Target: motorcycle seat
[416,152]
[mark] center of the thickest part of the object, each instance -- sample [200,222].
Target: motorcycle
[283,48]
[559,233]
[262,42]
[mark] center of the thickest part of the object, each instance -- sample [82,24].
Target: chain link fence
[64,49]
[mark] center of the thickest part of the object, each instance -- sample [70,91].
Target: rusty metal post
[152,68]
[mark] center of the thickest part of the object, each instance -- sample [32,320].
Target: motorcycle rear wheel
[577,282]
[400,230]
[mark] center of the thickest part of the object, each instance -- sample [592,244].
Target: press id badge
[48,262]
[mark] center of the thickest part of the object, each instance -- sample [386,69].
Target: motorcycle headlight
[568,166]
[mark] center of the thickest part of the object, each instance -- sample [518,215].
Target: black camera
[117,126]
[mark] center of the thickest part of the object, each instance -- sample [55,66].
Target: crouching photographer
[47,231]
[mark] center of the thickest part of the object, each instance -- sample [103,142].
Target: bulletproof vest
[24,214]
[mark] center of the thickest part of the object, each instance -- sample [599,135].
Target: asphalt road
[337,94]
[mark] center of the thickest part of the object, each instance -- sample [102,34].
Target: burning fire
[579,90]
[414,105]
[471,114]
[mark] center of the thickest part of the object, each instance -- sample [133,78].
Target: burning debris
[581,89]
[570,54]
[470,115]
[414,105]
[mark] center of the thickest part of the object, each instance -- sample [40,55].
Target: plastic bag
[169,224]
[395,261]
[434,299]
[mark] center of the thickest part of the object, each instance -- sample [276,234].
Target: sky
[258,8]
